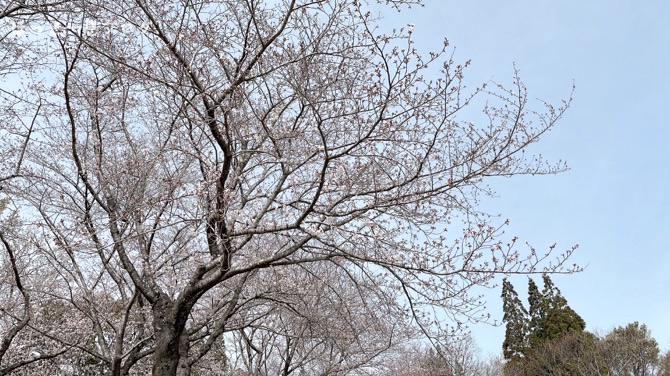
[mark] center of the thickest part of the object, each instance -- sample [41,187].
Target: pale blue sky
[615,200]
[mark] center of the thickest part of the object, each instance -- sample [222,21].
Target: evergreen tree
[516,322]
[550,315]
[537,310]
[549,338]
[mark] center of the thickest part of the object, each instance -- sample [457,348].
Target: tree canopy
[550,339]
[515,317]
[550,315]
[530,332]
[218,187]
[631,350]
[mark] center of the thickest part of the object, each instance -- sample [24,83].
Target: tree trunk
[115,367]
[171,355]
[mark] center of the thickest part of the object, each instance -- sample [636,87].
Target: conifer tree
[546,338]
[516,322]
[537,312]
[550,315]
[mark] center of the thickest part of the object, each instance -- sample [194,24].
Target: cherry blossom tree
[277,180]
[306,331]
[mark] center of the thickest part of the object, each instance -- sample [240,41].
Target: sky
[614,201]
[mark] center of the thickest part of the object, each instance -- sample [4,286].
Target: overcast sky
[614,202]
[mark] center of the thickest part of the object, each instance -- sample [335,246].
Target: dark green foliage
[514,315]
[550,315]
[549,339]
[530,335]
[537,310]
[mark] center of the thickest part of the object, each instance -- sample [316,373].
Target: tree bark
[171,338]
